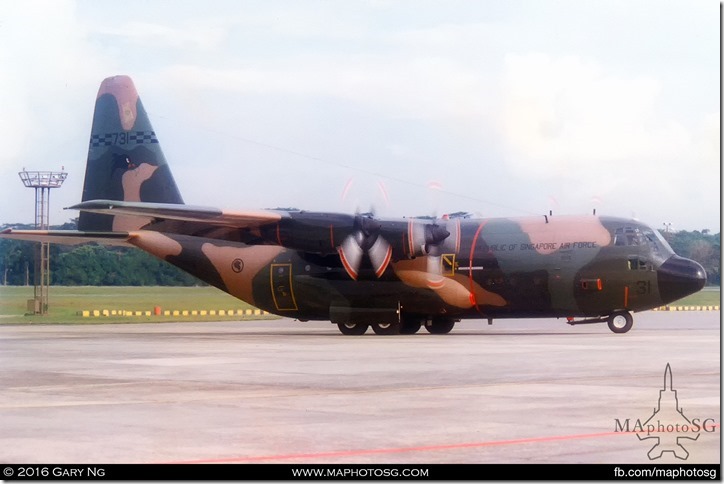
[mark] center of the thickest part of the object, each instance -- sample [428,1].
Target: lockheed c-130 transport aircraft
[356,271]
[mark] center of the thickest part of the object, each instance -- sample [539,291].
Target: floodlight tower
[42,181]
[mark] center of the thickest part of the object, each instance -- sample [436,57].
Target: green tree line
[703,247]
[97,265]
[89,265]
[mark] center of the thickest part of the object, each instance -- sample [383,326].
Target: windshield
[660,238]
[640,236]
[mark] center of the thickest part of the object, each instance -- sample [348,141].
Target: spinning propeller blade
[365,239]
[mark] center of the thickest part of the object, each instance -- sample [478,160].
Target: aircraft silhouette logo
[668,425]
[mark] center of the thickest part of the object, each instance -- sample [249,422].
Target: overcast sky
[500,108]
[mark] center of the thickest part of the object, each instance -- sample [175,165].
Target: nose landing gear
[618,321]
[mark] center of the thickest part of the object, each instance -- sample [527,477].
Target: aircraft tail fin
[125,160]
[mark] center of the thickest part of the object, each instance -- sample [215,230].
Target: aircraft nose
[679,277]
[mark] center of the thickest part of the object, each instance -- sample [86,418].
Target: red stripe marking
[400,450]
[470,271]
[382,268]
[435,284]
[279,235]
[347,267]
[331,235]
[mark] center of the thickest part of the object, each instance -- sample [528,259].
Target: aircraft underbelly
[318,296]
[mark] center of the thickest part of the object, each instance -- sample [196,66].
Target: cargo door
[281,287]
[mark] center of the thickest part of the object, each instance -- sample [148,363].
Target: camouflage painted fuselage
[499,268]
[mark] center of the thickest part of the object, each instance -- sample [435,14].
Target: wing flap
[187,213]
[67,237]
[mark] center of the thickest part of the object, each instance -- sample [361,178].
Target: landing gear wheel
[620,321]
[410,327]
[440,326]
[386,328]
[354,329]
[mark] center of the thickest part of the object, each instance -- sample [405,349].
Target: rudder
[125,160]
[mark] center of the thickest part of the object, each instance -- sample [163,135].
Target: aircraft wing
[186,213]
[324,233]
[67,237]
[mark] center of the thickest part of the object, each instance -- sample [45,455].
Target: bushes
[91,265]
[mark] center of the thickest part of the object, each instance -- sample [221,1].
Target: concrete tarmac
[519,391]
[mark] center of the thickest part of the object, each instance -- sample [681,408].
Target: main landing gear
[408,325]
[386,328]
[439,326]
[354,329]
[618,321]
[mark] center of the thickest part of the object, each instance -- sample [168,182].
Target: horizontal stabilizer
[67,237]
[188,213]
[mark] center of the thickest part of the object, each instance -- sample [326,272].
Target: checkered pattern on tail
[124,138]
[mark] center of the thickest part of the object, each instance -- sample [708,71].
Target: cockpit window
[651,239]
[628,236]
[662,241]
[643,236]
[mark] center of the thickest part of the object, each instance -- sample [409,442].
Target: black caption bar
[418,472]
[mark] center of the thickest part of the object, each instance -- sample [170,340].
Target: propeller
[434,240]
[424,239]
[435,236]
[365,239]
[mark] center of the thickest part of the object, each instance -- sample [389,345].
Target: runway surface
[533,391]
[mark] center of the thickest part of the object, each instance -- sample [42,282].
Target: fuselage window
[638,264]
